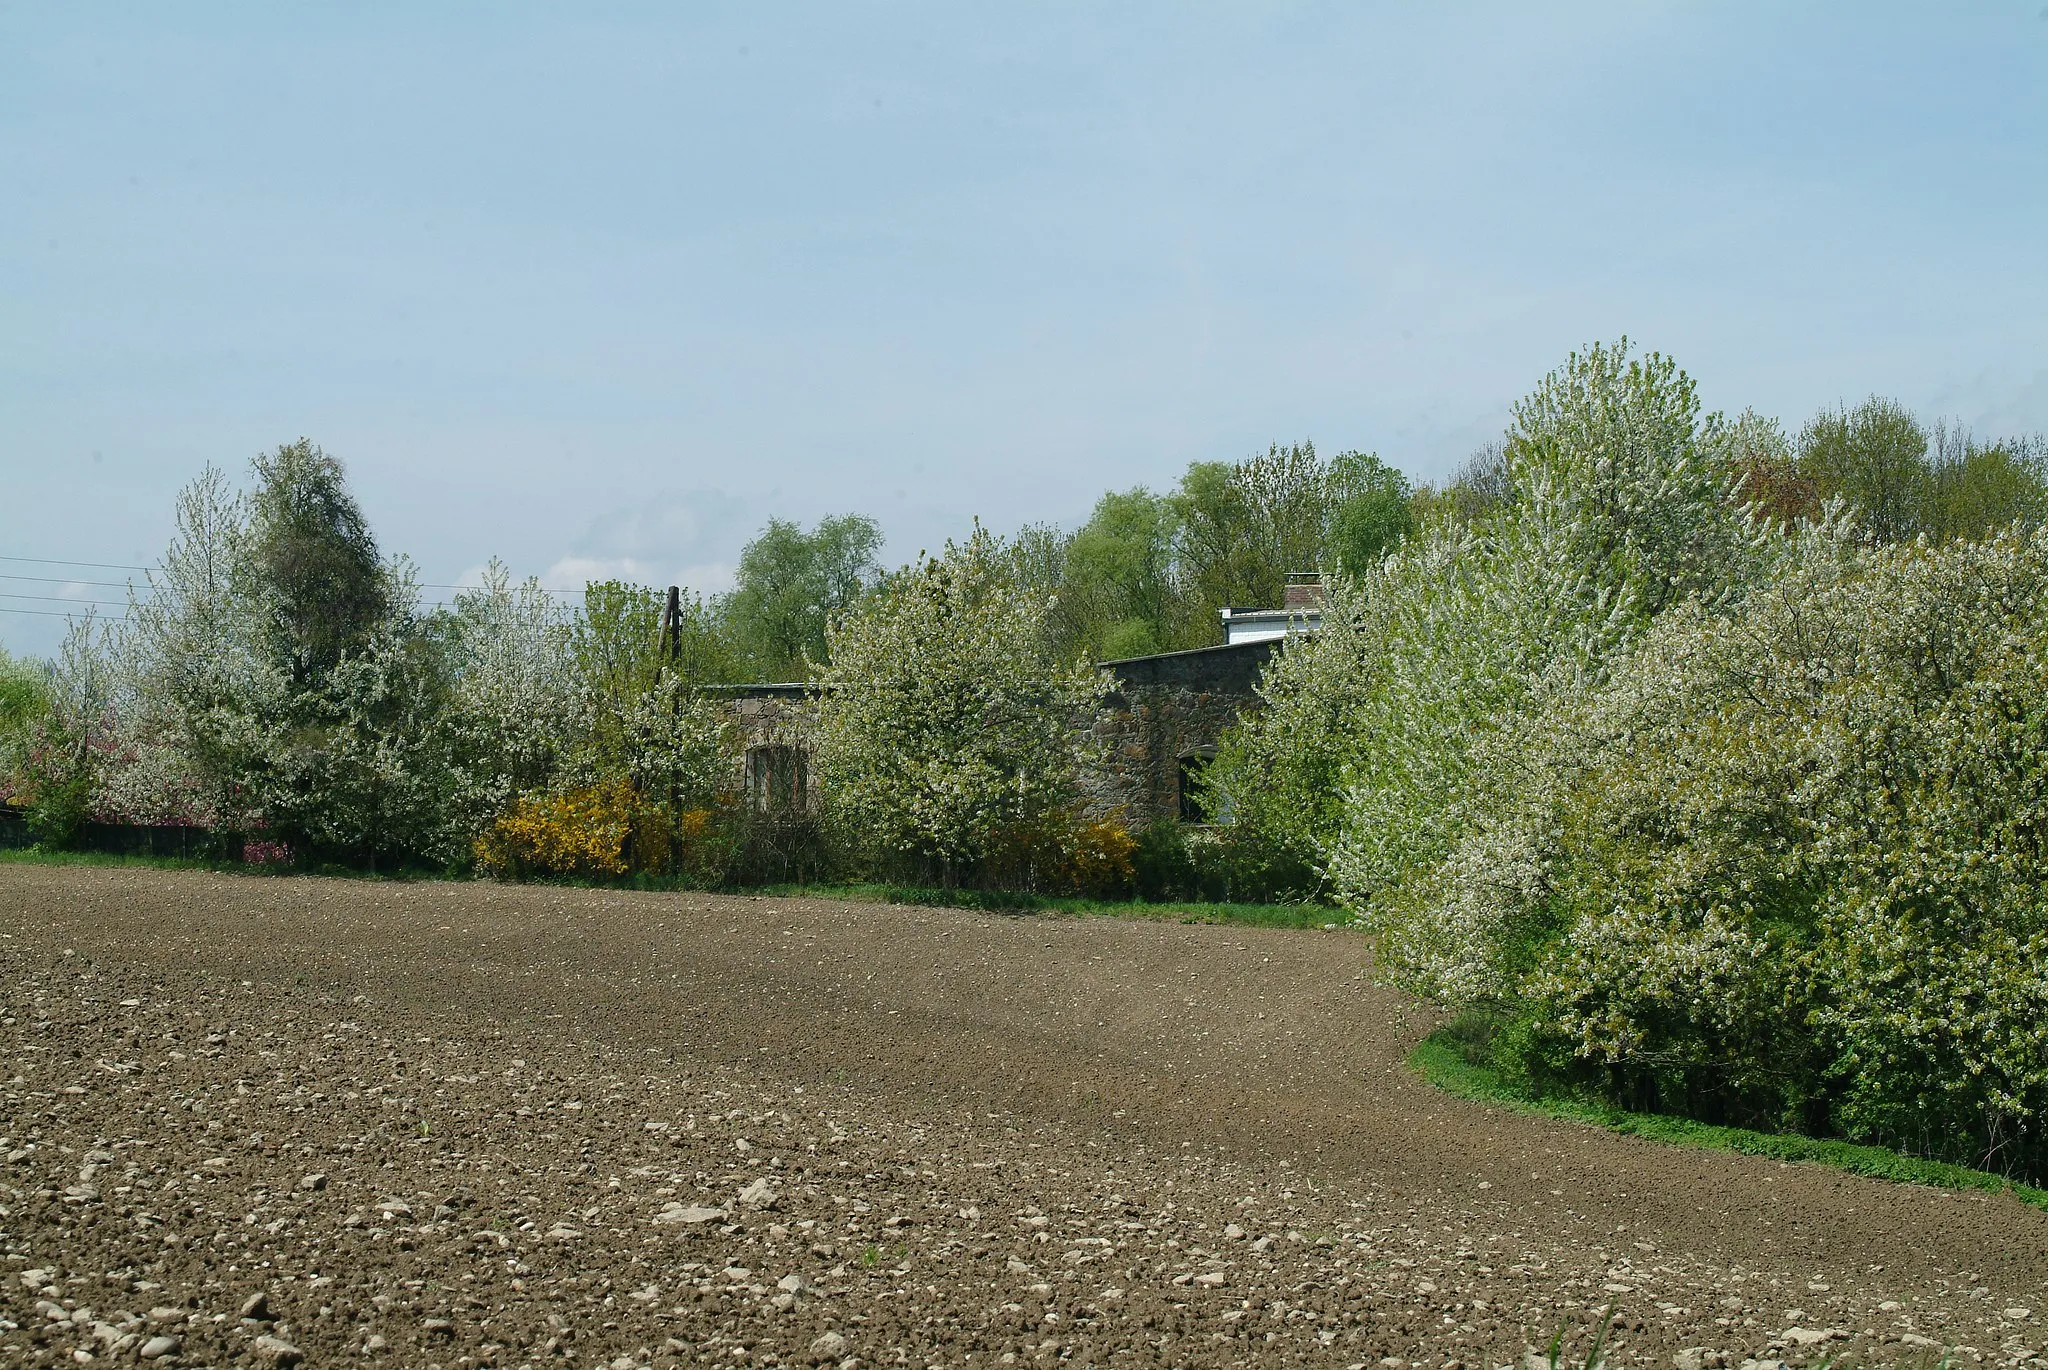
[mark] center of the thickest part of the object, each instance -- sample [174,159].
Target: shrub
[1161,868]
[1786,867]
[1389,731]
[1061,853]
[583,832]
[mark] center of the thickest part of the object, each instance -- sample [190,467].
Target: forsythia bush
[605,830]
[581,832]
[1099,858]
[1062,853]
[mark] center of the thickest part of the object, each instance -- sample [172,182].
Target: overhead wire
[123,566]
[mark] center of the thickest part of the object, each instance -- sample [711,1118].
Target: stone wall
[1167,709]
[769,716]
[1163,711]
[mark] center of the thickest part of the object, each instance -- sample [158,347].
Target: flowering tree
[939,720]
[1785,866]
[1389,730]
[514,708]
[187,668]
[67,735]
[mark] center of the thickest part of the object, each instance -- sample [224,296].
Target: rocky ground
[278,1121]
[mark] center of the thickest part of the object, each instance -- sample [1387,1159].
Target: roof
[1228,668]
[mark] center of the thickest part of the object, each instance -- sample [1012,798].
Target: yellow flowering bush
[606,830]
[582,832]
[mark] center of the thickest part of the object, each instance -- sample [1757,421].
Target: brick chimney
[1304,590]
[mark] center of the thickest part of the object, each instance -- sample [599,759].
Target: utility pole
[672,626]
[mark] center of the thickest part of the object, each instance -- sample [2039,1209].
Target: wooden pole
[672,625]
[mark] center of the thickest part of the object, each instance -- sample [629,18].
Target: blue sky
[601,288]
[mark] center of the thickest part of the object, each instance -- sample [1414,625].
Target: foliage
[1118,582]
[1878,458]
[24,701]
[1784,868]
[265,681]
[188,663]
[318,584]
[791,584]
[1246,527]
[939,723]
[676,746]
[1372,511]
[615,651]
[359,765]
[606,831]
[514,709]
[1062,853]
[581,832]
[1366,761]
[1227,863]
[66,744]
[1459,1058]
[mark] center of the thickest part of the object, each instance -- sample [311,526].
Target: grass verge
[1003,901]
[1439,1060]
[996,901]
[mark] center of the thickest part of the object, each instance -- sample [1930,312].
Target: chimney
[1304,590]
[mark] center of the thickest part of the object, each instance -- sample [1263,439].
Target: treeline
[1701,765]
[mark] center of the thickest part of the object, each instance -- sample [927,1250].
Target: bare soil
[470,1124]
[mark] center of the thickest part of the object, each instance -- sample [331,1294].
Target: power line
[61,599]
[66,580]
[39,613]
[53,561]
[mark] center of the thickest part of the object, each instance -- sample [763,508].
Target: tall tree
[1874,456]
[792,584]
[1119,576]
[321,584]
[1370,511]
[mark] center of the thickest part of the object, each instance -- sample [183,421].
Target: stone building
[1159,726]
[1162,722]
[773,745]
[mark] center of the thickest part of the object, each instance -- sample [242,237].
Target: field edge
[1438,1061]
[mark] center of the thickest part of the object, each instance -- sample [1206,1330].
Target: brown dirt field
[467,1124]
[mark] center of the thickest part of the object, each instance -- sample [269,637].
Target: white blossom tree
[939,721]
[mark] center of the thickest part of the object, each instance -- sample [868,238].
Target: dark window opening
[777,780]
[1194,800]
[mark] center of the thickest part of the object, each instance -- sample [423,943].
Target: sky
[598,289]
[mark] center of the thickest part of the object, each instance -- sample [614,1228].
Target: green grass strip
[1004,901]
[36,856]
[1438,1060]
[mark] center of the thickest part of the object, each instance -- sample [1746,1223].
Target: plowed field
[250,1121]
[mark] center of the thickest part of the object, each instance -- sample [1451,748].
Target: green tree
[1119,576]
[1978,489]
[318,578]
[1372,510]
[615,644]
[69,735]
[1244,527]
[24,700]
[1875,457]
[792,584]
